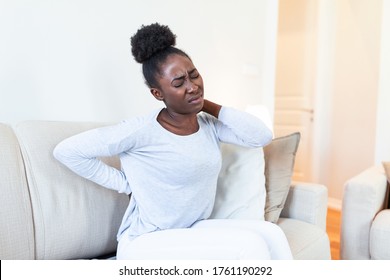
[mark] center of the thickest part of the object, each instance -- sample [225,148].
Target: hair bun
[150,40]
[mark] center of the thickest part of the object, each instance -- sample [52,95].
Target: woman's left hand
[211,108]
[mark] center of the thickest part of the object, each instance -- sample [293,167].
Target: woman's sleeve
[81,153]
[241,128]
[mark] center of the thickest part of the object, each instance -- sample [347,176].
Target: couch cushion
[307,241]
[73,217]
[279,165]
[380,236]
[241,184]
[16,226]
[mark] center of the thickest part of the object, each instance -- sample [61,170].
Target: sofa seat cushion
[313,244]
[380,236]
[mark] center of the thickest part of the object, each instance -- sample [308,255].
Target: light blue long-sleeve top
[172,178]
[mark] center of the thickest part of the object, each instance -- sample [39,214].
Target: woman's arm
[81,152]
[238,127]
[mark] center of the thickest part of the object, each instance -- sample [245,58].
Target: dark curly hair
[150,46]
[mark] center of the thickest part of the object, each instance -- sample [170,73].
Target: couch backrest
[16,225]
[73,217]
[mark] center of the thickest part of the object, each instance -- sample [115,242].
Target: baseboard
[334,203]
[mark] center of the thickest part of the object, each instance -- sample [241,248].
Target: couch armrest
[307,202]
[364,196]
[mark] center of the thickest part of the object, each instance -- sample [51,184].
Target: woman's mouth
[196,99]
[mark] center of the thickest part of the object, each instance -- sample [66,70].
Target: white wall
[347,75]
[355,91]
[324,87]
[71,59]
[382,152]
[347,91]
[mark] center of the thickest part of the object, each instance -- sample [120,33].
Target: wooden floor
[333,229]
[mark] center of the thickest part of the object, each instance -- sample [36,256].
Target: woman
[170,163]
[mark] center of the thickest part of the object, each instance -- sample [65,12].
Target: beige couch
[47,212]
[365,223]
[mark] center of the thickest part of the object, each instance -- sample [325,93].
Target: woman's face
[180,85]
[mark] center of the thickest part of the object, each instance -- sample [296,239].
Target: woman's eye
[194,75]
[178,85]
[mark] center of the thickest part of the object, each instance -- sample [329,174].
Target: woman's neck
[178,123]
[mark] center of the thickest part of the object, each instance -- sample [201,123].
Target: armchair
[365,222]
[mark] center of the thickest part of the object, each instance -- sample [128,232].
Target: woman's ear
[157,94]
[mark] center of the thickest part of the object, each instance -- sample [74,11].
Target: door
[295,78]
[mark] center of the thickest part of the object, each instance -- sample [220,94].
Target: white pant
[210,239]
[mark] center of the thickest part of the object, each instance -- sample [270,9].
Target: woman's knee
[251,245]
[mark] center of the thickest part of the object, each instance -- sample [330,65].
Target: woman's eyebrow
[181,77]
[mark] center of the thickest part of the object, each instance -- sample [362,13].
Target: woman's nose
[191,87]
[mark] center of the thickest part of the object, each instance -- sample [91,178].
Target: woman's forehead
[176,65]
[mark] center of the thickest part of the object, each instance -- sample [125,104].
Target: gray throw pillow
[279,165]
